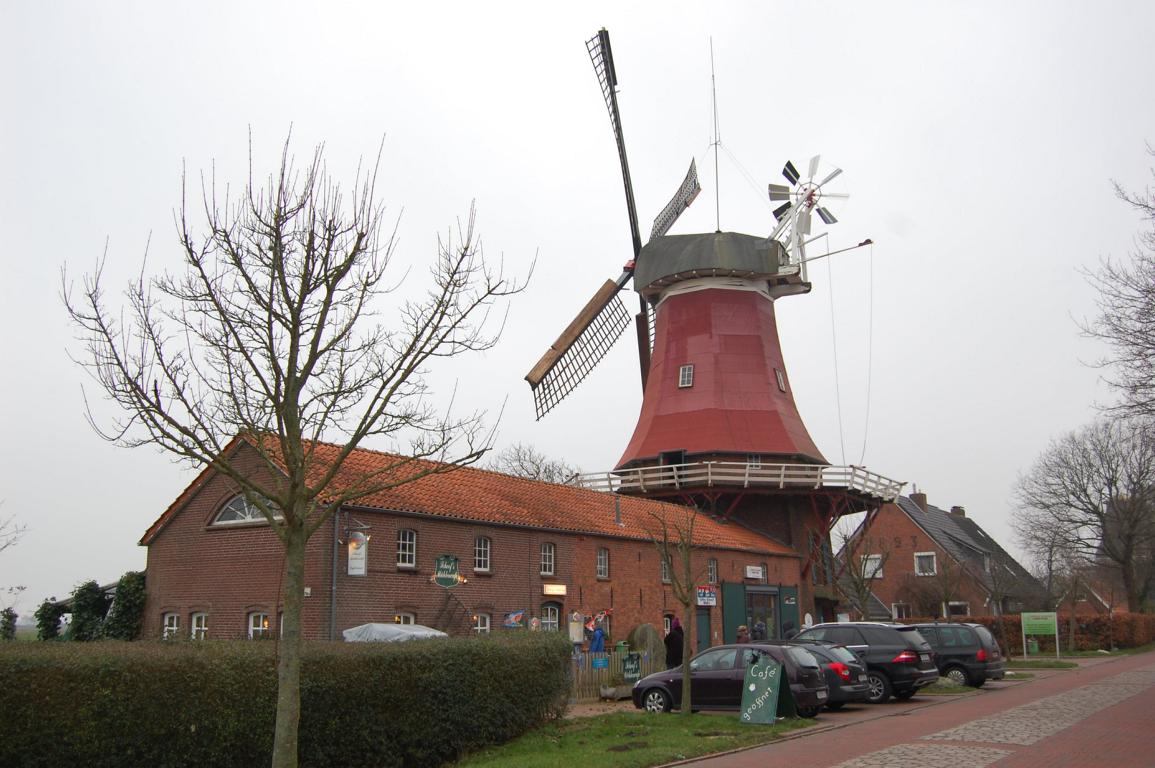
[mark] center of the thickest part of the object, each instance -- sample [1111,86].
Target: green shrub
[213,703]
[127,611]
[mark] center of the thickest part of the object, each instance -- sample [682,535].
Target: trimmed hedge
[213,703]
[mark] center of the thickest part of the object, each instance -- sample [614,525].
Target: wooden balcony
[789,478]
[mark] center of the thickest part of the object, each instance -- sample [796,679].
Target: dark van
[966,653]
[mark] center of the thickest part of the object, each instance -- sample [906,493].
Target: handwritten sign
[760,691]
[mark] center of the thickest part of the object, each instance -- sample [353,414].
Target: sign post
[760,690]
[1040,624]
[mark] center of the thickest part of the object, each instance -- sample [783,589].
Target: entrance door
[760,619]
[702,630]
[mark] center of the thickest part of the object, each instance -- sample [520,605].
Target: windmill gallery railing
[716,474]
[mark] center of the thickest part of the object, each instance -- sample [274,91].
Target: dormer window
[685,376]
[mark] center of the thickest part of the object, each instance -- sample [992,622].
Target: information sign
[760,690]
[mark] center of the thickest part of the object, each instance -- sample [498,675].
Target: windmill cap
[674,258]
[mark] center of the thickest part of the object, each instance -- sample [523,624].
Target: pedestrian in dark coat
[674,644]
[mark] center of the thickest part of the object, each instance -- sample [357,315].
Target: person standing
[674,642]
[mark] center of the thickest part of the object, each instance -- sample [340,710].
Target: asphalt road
[1102,714]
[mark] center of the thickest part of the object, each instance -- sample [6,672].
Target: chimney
[958,511]
[919,498]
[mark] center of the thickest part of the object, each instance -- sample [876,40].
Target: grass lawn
[629,740]
[1040,664]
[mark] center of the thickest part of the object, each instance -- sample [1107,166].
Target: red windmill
[718,426]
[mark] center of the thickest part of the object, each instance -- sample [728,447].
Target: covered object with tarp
[390,633]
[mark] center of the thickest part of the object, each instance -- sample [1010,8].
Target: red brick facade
[229,572]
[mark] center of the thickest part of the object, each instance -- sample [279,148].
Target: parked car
[716,676]
[898,659]
[846,674]
[966,653]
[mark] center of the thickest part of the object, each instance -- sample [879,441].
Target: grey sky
[978,142]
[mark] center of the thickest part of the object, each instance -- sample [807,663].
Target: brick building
[927,562]
[546,550]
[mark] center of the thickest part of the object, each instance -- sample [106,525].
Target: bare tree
[1126,319]
[1094,492]
[274,335]
[523,460]
[673,530]
[862,558]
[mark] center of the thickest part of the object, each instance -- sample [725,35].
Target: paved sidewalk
[1100,714]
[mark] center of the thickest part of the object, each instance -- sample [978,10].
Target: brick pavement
[1101,714]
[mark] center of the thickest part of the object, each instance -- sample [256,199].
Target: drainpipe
[333,581]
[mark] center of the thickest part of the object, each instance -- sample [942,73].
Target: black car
[898,659]
[716,676]
[846,674]
[966,653]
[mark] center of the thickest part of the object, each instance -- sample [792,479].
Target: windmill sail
[678,203]
[580,347]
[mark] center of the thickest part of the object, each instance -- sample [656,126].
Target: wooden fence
[588,679]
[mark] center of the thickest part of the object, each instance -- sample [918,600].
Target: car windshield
[802,657]
[841,654]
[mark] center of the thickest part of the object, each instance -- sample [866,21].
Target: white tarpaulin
[390,633]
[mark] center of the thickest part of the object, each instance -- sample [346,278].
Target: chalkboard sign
[760,690]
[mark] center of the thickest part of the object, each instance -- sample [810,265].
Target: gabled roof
[470,494]
[965,541]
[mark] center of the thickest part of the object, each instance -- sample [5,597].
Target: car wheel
[656,700]
[808,711]
[957,675]
[879,687]
[835,705]
[904,695]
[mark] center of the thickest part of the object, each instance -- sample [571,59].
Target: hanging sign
[707,595]
[445,572]
[358,549]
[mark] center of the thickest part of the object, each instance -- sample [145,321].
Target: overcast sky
[978,140]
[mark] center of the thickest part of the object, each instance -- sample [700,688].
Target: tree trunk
[289,651]
[688,628]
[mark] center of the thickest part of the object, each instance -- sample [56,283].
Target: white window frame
[406,548]
[481,624]
[712,570]
[686,376]
[550,617]
[482,549]
[894,611]
[170,625]
[548,558]
[199,625]
[244,512]
[872,566]
[933,562]
[404,618]
[259,625]
[603,562]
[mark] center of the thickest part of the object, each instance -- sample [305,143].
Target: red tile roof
[472,494]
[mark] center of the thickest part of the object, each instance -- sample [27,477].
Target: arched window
[481,549]
[239,510]
[548,553]
[550,616]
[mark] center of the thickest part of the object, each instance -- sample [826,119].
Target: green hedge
[212,703]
